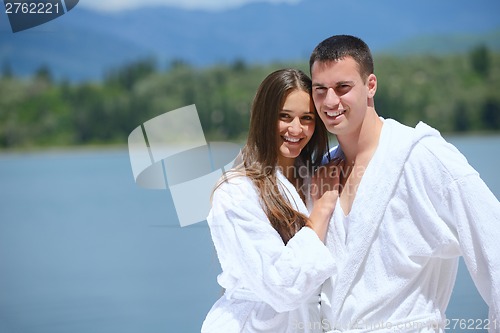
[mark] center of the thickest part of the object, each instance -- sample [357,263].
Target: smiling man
[410,206]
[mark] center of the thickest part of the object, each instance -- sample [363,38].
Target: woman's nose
[295,126]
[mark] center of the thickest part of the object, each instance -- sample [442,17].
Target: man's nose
[331,99]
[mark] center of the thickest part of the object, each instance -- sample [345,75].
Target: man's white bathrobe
[269,287]
[419,206]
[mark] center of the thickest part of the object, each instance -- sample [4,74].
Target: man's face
[340,94]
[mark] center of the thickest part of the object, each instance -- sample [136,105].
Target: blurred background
[82,248]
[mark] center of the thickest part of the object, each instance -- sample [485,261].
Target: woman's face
[296,123]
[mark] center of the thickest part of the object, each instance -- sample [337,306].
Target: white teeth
[291,139]
[335,114]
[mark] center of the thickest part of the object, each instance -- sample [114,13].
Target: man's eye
[343,88]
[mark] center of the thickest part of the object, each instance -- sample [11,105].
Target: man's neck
[361,144]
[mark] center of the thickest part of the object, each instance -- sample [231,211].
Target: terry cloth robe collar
[373,194]
[290,192]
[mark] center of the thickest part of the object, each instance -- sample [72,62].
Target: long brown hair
[260,154]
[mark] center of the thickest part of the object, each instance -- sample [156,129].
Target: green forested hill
[454,93]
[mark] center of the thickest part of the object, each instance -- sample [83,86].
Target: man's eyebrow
[339,83]
[344,82]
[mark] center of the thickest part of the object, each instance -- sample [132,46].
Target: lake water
[85,250]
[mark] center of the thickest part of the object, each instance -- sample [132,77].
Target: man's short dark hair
[339,47]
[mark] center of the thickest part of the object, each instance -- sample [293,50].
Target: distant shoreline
[124,147]
[62,149]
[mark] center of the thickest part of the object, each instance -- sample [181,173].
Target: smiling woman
[269,243]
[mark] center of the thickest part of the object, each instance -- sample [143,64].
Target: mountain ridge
[84,44]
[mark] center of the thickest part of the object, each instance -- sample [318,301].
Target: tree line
[453,93]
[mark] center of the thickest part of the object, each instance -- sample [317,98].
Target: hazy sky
[116,5]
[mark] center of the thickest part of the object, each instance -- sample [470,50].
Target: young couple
[372,244]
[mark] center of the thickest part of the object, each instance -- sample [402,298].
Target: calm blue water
[84,250]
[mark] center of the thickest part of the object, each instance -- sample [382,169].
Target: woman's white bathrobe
[269,287]
[419,206]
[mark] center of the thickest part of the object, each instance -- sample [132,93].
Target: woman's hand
[326,179]
[324,193]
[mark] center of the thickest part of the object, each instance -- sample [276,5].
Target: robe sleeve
[477,214]
[283,276]
[473,213]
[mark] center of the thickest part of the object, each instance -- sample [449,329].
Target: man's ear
[372,85]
